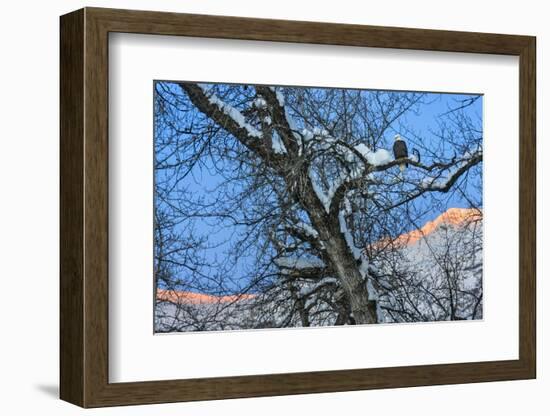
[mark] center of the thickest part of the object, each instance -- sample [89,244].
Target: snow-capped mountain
[434,274]
[439,268]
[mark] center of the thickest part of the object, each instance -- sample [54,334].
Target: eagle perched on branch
[400,151]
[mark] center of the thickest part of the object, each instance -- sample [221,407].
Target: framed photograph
[256,207]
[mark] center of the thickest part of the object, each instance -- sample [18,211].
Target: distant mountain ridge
[195,298]
[453,216]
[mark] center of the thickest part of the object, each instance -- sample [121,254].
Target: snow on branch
[470,158]
[310,289]
[299,263]
[306,229]
[279,119]
[448,172]
[233,121]
[357,163]
[442,183]
[305,233]
[305,268]
[231,111]
[377,158]
[445,182]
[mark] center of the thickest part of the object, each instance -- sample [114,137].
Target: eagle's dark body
[399,151]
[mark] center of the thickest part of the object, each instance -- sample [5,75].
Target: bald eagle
[400,151]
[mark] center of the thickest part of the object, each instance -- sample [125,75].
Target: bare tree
[437,278]
[305,179]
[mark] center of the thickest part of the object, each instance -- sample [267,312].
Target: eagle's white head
[397,137]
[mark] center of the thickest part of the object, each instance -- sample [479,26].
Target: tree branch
[231,121]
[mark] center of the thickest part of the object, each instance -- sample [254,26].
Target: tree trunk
[346,267]
[347,270]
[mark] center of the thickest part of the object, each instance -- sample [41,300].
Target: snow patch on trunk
[277,144]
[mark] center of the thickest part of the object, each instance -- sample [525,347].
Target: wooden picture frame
[84,207]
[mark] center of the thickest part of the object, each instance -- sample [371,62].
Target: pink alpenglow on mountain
[453,216]
[193,298]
